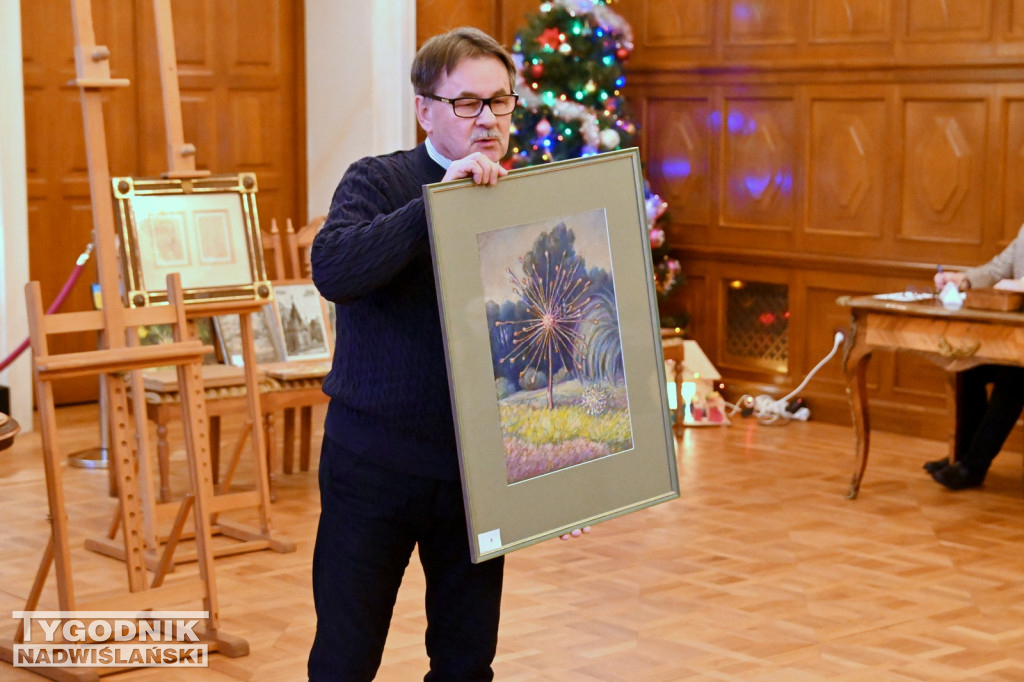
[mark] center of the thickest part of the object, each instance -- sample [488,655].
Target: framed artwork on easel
[266,337]
[206,229]
[302,320]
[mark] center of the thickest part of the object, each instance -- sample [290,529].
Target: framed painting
[266,337]
[302,321]
[553,346]
[206,229]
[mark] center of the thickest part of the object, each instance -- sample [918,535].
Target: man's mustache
[485,135]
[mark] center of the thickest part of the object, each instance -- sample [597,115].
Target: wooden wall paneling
[949,20]
[945,169]
[677,23]
[1013,24]
[512,18]
[238,74]
[261,67]
[696,298]
[761,22]
[438,16]
[500,18]
[951,31]
[842,21]
[1010,143]
[759,150]
[668,34]
[679,136]
[849,183]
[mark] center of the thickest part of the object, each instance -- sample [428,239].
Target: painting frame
[266,337]
[503,514]
[206,229]
[315,311]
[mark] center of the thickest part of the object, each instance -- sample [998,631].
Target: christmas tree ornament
[549,38]
[609,139]
[571,56]
[657,236]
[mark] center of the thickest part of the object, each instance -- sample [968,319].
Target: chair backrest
[291,249]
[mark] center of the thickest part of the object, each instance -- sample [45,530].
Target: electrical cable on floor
[769,411]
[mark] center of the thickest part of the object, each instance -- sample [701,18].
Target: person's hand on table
[942,278]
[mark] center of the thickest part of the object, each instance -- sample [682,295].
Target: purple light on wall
[675,168]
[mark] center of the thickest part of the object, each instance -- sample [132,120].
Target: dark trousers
[370,520]
[987,419]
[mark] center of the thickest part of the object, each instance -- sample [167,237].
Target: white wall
[13,217]
[358,95]
[359,103]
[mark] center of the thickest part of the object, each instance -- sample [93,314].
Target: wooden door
[241,79]
[500,18]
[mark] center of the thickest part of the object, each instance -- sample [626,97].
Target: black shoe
[936,465]
[956,476]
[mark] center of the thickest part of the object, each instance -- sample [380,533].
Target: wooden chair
[292,388]
[289,250]
[297,384]
[225,393]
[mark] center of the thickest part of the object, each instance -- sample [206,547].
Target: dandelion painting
[555,342]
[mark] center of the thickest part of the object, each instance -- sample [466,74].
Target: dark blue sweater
[388,383]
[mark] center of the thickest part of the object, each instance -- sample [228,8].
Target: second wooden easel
[159,515]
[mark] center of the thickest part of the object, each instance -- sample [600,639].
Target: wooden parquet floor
[763,570]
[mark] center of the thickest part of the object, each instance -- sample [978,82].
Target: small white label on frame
[489,541]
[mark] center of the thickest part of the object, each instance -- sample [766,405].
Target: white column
[358,95]
[13,217]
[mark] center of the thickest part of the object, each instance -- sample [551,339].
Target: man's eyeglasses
[470,107]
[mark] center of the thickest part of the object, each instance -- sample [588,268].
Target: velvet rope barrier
[57,302]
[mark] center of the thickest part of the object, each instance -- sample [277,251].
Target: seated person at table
[986,418]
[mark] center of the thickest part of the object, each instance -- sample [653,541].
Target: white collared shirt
[437,156]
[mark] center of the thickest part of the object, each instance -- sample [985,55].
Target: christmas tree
[570,58]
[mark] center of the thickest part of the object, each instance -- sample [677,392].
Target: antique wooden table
[954,339]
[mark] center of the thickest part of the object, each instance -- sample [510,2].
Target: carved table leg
[855,365]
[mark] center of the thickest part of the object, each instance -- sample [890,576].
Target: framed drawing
[554,349]
[206,229]
[302,321]
[266,337]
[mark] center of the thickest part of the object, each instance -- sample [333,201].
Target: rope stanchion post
[57,302]
[97,458]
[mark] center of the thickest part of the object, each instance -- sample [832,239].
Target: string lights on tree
[570,57]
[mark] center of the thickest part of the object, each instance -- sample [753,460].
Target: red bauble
[537,70]
[622,53]
[549,38]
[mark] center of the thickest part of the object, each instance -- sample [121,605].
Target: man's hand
[575,533]
[476,166]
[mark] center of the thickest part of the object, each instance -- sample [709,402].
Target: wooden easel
[158,515]
[114,357]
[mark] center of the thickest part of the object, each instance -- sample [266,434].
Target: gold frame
[234,196]
[503,516]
